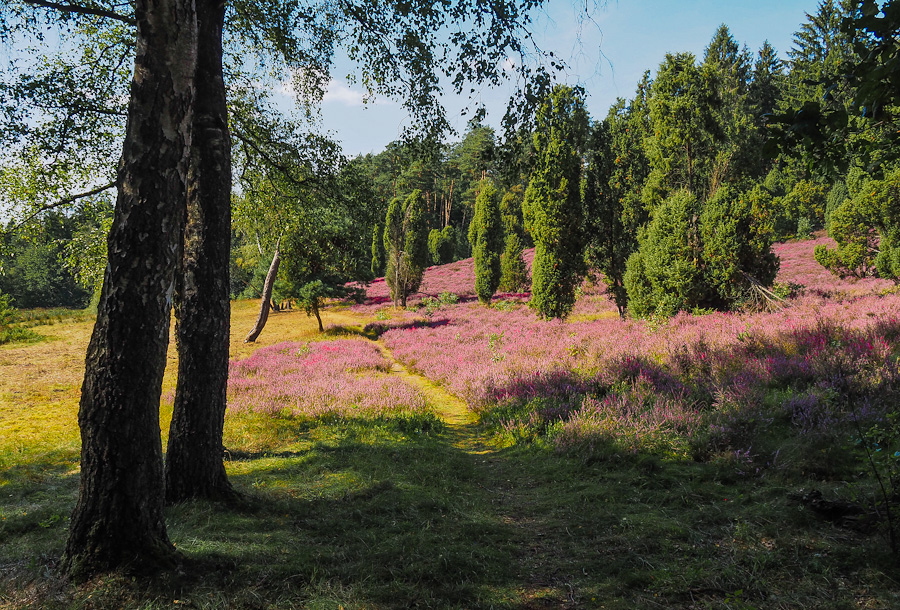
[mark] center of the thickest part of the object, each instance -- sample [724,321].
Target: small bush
[804,228]
[442,245]
[10,332]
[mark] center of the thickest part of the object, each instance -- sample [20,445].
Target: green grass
[54,315]
[18,334]
[381,514]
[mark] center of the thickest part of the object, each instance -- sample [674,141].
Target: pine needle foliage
[442,245]
[553,207]
[486,237]
[513,271]
[377,250]
[406,245]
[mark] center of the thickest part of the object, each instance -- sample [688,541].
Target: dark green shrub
[737,244]
[486,237]
[513,270]
[406,245]
[867,231]
[698,257]
[377,251]
[665,276]
[442,245]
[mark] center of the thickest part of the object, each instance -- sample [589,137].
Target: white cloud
[337,92]
[341,93]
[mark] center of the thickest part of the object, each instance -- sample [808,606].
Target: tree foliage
[866,231]
[513,271]
[486,237]
[806,200]
[406,245]
[737,236]
[553,208]
[377,266]
[442,245]
[702,255]
[665,275]
[33,267]
[684,132]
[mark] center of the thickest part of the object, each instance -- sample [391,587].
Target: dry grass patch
[40,383]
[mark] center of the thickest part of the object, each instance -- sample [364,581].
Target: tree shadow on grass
[394,525]
[423,523]
[405,520]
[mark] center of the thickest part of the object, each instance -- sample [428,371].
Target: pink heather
[348,378]
[657,381]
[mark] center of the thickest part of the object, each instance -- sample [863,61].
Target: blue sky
[626,38]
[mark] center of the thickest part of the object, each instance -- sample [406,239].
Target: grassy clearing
[366,515]
[400,512]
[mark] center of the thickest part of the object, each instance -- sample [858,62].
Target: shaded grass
[359,514]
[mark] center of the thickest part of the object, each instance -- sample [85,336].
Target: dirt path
[461,421]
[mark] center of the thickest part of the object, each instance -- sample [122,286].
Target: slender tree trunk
[266,296]
[315,309]
[118,518]
[194,466]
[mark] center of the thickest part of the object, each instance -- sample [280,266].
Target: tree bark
[118,520]
[266,296]
[194,457]
[315,309]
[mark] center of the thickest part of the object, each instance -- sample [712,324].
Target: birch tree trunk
[194,457]
[118,520]
[266,295]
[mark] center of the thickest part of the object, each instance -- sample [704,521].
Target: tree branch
[61,203]
[82,10]
[285,171]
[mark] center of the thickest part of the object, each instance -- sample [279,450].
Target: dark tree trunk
[194,466]
[315,309]
[266,296]
[118,518]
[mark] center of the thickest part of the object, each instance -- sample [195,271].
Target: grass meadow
[458,456]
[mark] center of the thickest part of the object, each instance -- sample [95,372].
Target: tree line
[675,197]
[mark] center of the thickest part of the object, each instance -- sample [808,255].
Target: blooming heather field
[347,378]
[457,278]
[824,360]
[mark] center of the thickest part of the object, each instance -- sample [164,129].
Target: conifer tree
[553,207]
[610,242]
[486,237]
[406,245]
[736,151]
[767,84]
[513,271]
[377,250]
[442,245]
[685,133]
